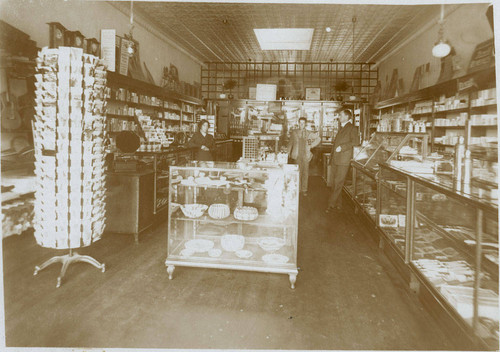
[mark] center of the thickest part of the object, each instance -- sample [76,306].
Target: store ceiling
[224,31]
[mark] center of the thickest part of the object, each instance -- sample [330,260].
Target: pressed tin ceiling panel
[224,31]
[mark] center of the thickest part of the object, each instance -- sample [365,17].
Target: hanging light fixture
[442,48]
[131,46]
[353,96]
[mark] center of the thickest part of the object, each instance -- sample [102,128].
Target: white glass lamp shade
[441,49]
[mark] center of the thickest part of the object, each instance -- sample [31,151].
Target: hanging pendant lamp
[353,96]
[131,46]
[442,48]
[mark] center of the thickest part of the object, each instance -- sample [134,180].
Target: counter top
[130,173]
[175,149]
[444,183]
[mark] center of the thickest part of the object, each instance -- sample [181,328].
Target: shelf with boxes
[446,112]
[134,105]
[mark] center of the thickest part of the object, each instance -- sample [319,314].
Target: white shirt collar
[343,124]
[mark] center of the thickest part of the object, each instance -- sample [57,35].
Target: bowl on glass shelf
[246,213]
[219,211]
[193,211]
[232,243]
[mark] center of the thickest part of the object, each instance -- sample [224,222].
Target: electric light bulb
[441,49]
[328,29]
[130,49]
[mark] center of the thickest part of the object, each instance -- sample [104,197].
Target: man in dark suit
[340,157]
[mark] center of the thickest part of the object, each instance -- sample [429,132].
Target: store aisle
[347,296]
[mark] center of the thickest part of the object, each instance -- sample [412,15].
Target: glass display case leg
[414,284]
[381,243]
[66,260]
[293,278]
[170,271]
[136,238]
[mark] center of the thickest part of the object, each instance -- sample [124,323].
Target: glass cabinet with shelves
[393,208]
[455,249]
[448,234]
[381,147]
[238,216]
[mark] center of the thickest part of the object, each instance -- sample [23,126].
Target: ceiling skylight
[284,38]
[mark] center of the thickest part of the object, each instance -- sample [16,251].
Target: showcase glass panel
[369,196]
[234,216]
[359,186]
[446,232]
[378,149]
[393,207]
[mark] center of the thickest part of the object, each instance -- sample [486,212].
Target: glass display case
[159,162]
[240,216]
[382,147]
[450,240]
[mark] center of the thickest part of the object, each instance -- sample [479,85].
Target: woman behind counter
[203,142]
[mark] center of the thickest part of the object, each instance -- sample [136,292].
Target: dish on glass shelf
[232,243]
[193,210]
[214,253]
[270,244]
[187,252]
[199,245]
[275,258]
[246,213]
[219,211]
[243,254]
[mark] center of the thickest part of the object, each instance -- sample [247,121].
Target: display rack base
[292,274]
[66,260]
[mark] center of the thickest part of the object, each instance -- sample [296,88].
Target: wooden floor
[347,296]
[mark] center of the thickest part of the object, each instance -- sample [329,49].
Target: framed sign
[313,94]
[266,92]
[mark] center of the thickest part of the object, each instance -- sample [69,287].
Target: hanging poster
[108,37]
[124,56]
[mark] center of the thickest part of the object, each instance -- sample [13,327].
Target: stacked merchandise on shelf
[485,97]
[460,101]
[154,133]
[423,107]
[69,148]
[401,122]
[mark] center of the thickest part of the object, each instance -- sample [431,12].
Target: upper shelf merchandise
[135,104]
[448,111]
[240,216]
